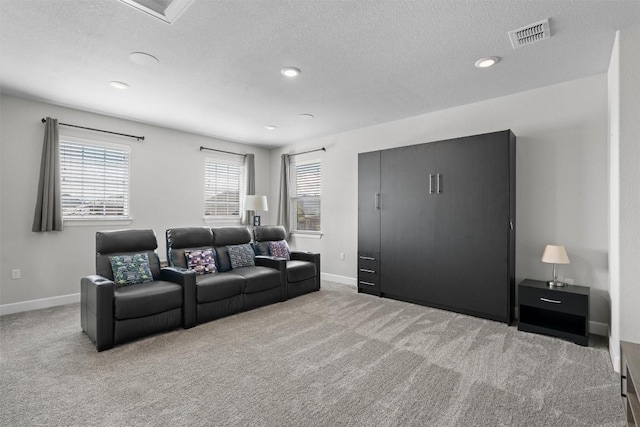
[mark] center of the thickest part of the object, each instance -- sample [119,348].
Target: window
[305,195]
[222,188]
[94,180]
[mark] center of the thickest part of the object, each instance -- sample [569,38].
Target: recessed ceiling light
[306,116]
[487,62]
[290,71]
[119,85]
[270,127]
[142,58]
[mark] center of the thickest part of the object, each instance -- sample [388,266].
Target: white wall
[624,199]
[630,184]
[167,190]
[561,178]
[613,111]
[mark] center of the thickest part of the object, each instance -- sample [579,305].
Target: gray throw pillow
[241,255]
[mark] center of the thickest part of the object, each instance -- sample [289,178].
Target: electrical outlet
[15,273]
[342,256]
[569,281]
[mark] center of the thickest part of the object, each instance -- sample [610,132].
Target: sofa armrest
[187,279]
[311,257]
[271,261]
[279,264]
[305,256]
[96,310]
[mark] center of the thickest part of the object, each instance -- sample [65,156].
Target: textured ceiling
[363,62]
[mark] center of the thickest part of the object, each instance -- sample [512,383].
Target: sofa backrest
[223,236]
[181,239]
[269,233]
[125,242]
[262,235]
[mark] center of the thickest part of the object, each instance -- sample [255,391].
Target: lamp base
[556,284]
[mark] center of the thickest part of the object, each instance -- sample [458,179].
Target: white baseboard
[339,279]
[35,304]
[614,352]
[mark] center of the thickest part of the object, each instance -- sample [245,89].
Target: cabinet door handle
[439,183]
[367,283]
[554,301]
[364,270]
[368,258]
[430,183]
[377,201]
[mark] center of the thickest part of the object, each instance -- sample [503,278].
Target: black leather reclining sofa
[229,290]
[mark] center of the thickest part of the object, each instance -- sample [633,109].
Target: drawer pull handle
[367,283]
[364,270]
[550,300]
[368,258]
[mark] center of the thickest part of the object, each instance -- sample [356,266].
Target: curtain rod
[222,151]
[310,151]
[139,138]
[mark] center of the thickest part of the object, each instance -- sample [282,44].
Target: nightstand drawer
[556,300]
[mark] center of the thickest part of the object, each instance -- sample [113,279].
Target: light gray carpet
[333,357]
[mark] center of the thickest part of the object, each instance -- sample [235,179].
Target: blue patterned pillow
[279,249]
[201,261]
[130,269]
[241,255]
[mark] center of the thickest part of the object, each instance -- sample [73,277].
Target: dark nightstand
[562,312]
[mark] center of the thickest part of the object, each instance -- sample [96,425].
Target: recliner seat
[303,269]
[111,313]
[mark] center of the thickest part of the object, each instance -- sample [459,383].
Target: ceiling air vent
[530,34]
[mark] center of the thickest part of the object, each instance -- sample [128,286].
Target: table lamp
[255,203]
[555,254]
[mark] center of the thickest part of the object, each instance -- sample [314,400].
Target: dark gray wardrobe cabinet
[436,224]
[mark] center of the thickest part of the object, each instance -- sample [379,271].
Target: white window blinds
[94,180]
[306,194]
[222,188]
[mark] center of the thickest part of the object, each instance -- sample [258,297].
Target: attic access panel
[166,10]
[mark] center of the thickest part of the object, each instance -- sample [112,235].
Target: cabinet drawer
[555,300]
[369,276]
[363,283]
[368,271]
[369,263]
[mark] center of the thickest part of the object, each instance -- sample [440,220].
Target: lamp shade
[255,203]
[555,254]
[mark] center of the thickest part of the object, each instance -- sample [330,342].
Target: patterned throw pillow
[130,269]
[241,255]
[280,249]
[201,261]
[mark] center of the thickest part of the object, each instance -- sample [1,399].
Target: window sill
[79,222]
[230,220]
[307,234]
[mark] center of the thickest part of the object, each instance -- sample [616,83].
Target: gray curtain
[248,186]
[48,214]
[283,202]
